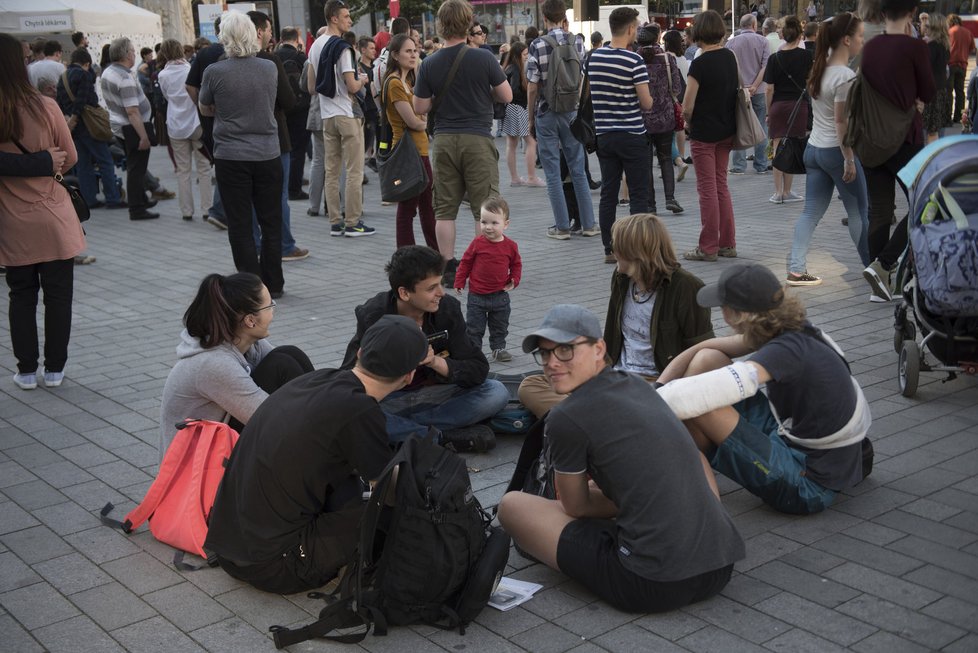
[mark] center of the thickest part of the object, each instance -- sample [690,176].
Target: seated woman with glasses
[226,365]
[652,313]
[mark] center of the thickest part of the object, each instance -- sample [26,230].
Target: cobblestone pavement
[893,566]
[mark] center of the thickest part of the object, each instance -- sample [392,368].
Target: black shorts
[587,551]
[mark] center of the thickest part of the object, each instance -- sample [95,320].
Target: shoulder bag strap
[64,78]
[449,79]
[794,110]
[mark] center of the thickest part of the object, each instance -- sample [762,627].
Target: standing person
[314,125]
[50,67]
[620,93]
[830,164]
[465,161]
[41,232]
[183,127]
[752,52]
[129,116]
[552,128]
[493,266]
[772,33]
[811,36]
[962,46]
[894,50]
[239,92]
[74,95]
[516,124]
[371,117]
[785,75]
[937,112]
[708,107]
[293,60]
[665,84]
[336,79]
[812,11]
[397,94]
[619,525]
[672,41]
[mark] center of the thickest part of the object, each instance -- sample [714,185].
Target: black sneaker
[143,215]
[336,229]
[674,206]
[359,229]
[477,438]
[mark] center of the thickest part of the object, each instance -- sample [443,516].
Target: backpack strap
[332,617]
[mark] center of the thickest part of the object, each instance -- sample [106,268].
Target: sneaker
[359,229]
[727,252]
[593,231]
[575,227]
[297,254]
[699,255]
[336,229]
[188,218]
[312,212]
[84,259]
[558,234]
[535,183]
[477,438]
[163,194]
[877,299]
[53,379]
[674,206]
[593,185]
[681,171]
[516,183]
[624,202]
[803,279]
[736,172]
[144,215]
[610,259]
[776,199]
[301,195]
[879,278]
[217,222]
[792,197]
[26,381]
[501,355]
[688,160]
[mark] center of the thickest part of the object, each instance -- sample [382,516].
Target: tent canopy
[54,16]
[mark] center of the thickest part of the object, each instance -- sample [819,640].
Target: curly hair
[760,328]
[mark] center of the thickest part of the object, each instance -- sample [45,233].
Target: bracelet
[853,161]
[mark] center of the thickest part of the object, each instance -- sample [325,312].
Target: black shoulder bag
[74,194]
[582,127]
[790,156]
[444,91]
[401,170]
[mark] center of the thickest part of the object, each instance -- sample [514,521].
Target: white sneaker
[53,379]
[26,381]
[876,299]
[792,197]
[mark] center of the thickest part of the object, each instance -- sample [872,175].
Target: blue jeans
[492,308]
[738,158]
[824,167]
[554,135]
[444,406]
[288,242]
[88,148]
[622,152]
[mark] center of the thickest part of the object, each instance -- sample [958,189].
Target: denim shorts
[756,457]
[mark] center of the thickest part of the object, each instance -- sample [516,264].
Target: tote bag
[401,171]
[749,131]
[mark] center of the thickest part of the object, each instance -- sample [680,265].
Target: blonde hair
[642,239]
[937,30]
[454,19]
[496,205]
[238,35]
[760,328]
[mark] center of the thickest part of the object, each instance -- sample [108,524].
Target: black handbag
[401,170]
[74,193]
[582,127]
[790,155]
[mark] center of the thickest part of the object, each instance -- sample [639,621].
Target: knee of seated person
[707,360]
[509,506]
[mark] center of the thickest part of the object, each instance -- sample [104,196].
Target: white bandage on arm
[697,395]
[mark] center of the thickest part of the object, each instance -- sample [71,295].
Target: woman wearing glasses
[226,365]
[652,312]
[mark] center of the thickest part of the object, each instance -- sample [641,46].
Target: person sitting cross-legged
[450,390]
[647,532]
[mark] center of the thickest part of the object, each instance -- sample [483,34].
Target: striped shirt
[614,73]
[120,90]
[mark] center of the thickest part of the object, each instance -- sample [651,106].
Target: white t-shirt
[45,69]
[636,331]
[835,87]
[342,104]
[181,112]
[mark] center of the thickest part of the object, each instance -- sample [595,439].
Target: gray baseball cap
[748,287]
[564,323]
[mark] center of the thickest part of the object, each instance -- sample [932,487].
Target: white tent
[106,18]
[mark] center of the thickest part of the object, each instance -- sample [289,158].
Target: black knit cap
[393,346]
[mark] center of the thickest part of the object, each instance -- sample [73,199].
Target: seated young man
[450,391]
[802,443]
[649,533]
[287,513]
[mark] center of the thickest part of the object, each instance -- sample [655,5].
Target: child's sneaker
[53,379]
[501,355]
[26,381]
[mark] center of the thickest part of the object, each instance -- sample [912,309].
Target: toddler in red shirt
[493,267]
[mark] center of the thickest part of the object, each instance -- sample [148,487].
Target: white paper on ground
[511,593]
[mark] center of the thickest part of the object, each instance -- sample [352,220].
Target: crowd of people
[249,113]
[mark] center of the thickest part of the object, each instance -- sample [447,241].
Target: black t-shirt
[796,62]
[670,524]
[467,107]
[307,437]
[713,116]
[812,386]
[207,56]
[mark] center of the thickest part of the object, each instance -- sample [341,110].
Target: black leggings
[279,366]
[881,186]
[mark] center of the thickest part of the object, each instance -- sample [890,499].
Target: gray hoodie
[209,384]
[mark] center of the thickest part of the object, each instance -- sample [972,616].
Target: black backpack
[430,558]
[293,71]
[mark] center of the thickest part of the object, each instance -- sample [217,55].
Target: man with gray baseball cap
[628,542]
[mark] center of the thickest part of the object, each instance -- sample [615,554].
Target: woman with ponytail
[226,365]
[830,163]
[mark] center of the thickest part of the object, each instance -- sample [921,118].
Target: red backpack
[178,503]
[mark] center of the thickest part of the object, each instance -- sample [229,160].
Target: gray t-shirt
[636,331]
[242,90]
[467,107]
[670,524]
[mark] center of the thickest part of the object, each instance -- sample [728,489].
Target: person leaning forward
[450,391]
[286,517]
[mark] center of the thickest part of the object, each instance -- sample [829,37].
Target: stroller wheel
[907,331]
[909,369]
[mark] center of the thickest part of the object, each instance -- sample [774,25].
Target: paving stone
[63,474]
[814,527]
[71,573]
[799,641]
[101,544]
[810,586]
[37,605]
[141,573]
[633,638]
[764,548]
[33,455]
[884,642]
[16,638]
[745,589]
[816,619]
[76,635]
[112,606]
[874,533]
[883,585]
[14,573]
[12,474]
[398,640]
[34,494]
[547,638]
[119,474]
[875,502]
[740,620]
[900,621]
[87,455]
[967,644]
[594,619]
[712,639]
[189,609]
[927,529]
[232,635]
[94,494]
[36,544]
[552,603]
[13,518]
[509,623]
[476,638]
[66,518]
[926,481]
[954,611]
[868,554]
[944,581]
[938,554]
[813,560]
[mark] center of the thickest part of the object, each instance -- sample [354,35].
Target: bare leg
[511,145]
[711,480]
[534,523]
[531,158]
[786,182]
[779,189]
[681,143]
[445,232]
[710,430]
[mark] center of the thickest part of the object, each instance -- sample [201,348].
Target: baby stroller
[938,274]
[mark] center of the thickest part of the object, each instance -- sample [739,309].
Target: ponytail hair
[221,302]
[830,35]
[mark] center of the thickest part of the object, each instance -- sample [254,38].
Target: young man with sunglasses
[638,519]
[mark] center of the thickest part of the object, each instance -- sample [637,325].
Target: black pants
[956,75]
[622,152]
[137,161]
[660,146]
[881,187]
[258,184]
[56,279]
[299,137]
[279,366]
